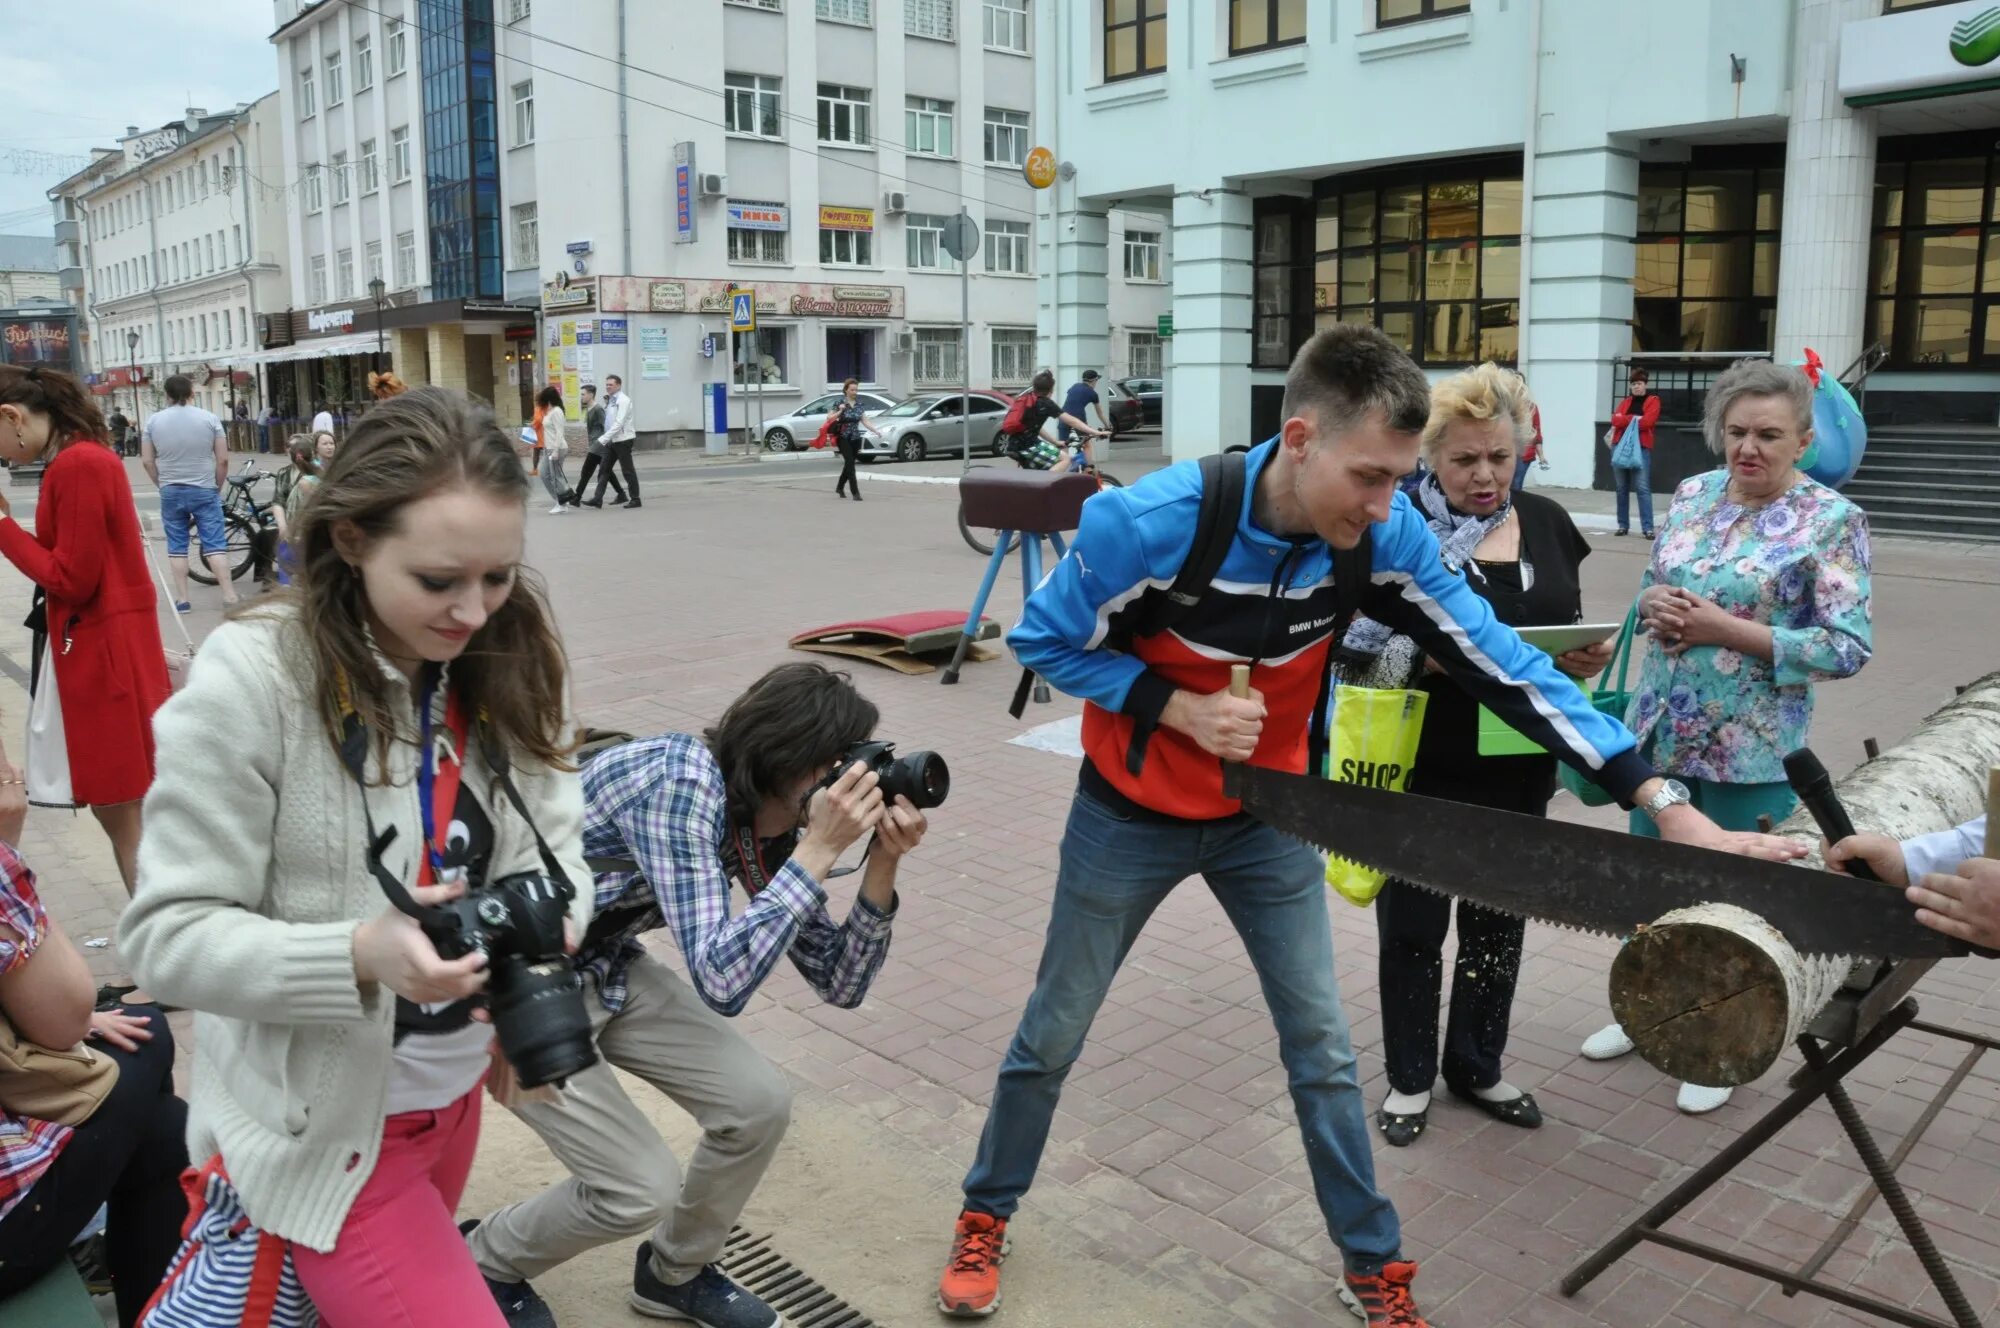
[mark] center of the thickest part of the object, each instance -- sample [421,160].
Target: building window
[527,235]
[336,80]
[518,10]
[1259,25]
[1433,258]
[524,113]
[930,18]
[373,261]
[315,186]
[406,260]
[1388,13]
[1142,255]
[236,243]
[343,268]
[371,167]
[1934,273]
[925,235]
[775,6]
[1007,25]
[1007,247]
[1013,355]
[208,245]
[399,154]
[1706,272]
[850,353]
[308,97]
[398,57]
[756,246]
[843,248]
[1135,38]
[936,359]
[1142,354]
[848,11]
[763,356]
[364,62]
[927,126]
[750,105]
[1272,287]
[343,183]
[316,280]
[1006,137]
[843,112]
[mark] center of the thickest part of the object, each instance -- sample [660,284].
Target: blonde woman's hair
[1488,392]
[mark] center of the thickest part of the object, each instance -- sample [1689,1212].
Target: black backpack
[1223,480]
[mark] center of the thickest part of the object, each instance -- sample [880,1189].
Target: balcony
[69,232]
[70,278]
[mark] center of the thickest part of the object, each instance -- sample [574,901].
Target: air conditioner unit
[906,342]
[714,186]
[895,201]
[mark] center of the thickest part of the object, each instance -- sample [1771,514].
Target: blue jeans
[1520,476]
[197,505]
[1640,479]
[1114,872]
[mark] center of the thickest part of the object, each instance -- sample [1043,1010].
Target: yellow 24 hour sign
[1040,168]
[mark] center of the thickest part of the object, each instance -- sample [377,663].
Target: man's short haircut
[1045,383]
[791,722]
[1350,371]
[614,378]
[179,389]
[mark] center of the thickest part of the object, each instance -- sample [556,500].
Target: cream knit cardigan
[252,880]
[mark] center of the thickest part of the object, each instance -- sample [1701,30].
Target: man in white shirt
[1955,889]
[618,438]
[184,450]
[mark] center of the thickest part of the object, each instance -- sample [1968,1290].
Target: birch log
[1713,995]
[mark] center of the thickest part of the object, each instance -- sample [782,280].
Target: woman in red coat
[100,671]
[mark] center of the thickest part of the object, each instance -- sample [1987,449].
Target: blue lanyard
[427,780]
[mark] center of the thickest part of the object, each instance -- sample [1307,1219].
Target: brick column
[446,346]
[1208,359]
[1829,192]
[409,349]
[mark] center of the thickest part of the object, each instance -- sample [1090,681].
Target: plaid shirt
[27,1146]
[662,803]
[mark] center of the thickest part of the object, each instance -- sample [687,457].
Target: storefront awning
[360,343]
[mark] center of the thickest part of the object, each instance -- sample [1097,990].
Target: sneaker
[970,1287]
[1384,1299]
[1698,1101]
[709,1300]
[183,607]
[1607,1043]
[558,509]
[518,1301]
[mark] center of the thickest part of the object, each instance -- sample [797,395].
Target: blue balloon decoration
[1840,435]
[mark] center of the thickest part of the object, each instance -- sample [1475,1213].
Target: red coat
[103,619]
[1648,415]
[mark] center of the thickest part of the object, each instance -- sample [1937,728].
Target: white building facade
[812,150]
[1571,186]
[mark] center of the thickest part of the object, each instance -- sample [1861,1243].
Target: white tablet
[1575,636]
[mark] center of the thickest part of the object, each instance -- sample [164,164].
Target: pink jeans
[400,1261]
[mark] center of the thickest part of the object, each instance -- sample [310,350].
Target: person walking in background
[1530,454]
[845,422]
[267,431]
[593,432]
[552,446]
[1077,403]
[120,427]
[619,435]
[187,456]
[1644,408]
[1758,588]
[99,669]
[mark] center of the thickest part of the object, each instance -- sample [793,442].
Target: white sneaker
[1607,1043]
[558,509]
[1698,1101]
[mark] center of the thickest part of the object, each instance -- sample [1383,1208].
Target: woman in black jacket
[846,421]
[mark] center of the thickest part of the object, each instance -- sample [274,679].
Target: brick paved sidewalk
[1174,1154]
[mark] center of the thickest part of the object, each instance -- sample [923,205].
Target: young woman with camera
[338,1082]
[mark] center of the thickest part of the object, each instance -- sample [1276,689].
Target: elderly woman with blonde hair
[1522,554]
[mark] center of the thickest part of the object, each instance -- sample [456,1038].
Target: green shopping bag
[1609,699]
[1372,739]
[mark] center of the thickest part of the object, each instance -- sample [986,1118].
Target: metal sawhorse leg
[1031,576]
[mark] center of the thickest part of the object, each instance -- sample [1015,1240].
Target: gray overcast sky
[76,72]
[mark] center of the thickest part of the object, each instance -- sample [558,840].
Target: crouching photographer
[769,799]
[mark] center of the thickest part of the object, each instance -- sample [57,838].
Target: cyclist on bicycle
[1027,444]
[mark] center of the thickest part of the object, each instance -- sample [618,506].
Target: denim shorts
[182,505]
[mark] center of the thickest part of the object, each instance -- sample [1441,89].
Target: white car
[796,431]
[929,423]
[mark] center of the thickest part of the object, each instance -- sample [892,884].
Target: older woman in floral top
[1758,588]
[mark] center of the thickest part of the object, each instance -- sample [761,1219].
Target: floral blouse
[1799,565]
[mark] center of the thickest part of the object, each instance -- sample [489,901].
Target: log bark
[1713,994]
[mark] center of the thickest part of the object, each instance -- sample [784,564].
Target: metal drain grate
[803,1302]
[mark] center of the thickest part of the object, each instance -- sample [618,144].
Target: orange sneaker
[970,1287]
[1384,1300]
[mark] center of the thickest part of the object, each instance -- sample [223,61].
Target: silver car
[797,430]
[929,423]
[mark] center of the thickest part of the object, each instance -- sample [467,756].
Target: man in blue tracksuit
[1159,720]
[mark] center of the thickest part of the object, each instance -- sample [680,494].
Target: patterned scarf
[1458,535]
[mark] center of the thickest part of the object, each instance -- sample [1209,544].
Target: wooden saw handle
[1239,687]
[1992,812]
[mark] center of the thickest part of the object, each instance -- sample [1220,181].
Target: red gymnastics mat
[905,642]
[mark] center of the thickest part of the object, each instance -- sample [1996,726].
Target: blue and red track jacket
[1272,605]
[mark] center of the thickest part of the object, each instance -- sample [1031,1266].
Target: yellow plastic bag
[1373,741]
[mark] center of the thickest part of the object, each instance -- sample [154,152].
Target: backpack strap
[1353,572]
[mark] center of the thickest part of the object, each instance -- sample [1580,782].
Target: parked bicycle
[249,524]
[982,539]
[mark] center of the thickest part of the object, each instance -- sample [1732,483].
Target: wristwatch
[1672,793]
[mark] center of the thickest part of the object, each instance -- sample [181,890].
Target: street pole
[965,361]
[757,371]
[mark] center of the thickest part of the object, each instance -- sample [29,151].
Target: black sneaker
[518,1301]
[710,1300]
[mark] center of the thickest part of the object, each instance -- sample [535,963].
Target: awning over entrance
[360,343]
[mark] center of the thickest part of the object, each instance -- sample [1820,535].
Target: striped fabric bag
[228,1274]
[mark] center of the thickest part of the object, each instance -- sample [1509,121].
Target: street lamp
[132,347]
[378,289]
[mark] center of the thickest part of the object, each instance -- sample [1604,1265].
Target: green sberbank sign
[1975,41]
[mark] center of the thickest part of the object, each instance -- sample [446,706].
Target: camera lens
[539,1014]
[923,778]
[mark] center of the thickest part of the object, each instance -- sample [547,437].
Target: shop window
[850,353]
[1934,260]
[762,357]
[1705,275]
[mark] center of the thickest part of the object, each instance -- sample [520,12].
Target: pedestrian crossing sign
[743,311]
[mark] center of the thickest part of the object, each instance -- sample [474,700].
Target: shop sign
[568,295]
[776,298]
[1932,52]
[846,219]
[759,217]
[274,330]
[125,377]
[652,341]
[684,232]
[35,341]
[611,331]
[1039,170]
[330,320]
[846,301]
[666,297]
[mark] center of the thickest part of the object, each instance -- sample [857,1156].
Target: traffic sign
[1166,326]
[743,310]
[961,236]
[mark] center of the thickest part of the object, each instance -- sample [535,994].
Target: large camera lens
[922,777]
[539,1014]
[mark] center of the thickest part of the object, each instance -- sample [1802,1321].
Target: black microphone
[1814,786]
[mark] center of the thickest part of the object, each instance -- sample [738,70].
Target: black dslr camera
[922,777]
[533,989]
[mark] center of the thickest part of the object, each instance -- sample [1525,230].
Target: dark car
[1124,410]
[1149,392]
